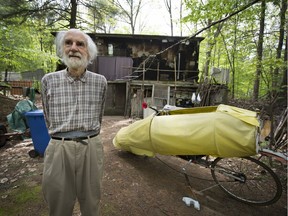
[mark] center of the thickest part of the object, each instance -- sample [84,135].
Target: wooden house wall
[172,61]
[182,57]
[116,99]
[114,68]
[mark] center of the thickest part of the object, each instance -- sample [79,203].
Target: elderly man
[73,103]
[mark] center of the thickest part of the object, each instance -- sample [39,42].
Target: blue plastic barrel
[39,133]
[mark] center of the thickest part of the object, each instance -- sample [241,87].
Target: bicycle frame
[208,164]
[278,156]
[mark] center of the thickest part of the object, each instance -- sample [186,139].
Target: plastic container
[39,133]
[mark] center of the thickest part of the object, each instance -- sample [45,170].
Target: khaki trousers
[73,170]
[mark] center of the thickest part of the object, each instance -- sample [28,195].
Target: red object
[144,105]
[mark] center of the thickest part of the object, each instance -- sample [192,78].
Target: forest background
[247,37]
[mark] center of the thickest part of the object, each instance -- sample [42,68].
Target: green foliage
[26,40]
[37,85]
[101,15]
[25,48]
[233,43]
[4,84]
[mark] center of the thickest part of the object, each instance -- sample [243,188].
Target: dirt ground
[132,185]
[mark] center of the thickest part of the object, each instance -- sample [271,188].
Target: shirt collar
[71,79]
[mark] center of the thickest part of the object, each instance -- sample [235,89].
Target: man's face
[75,50]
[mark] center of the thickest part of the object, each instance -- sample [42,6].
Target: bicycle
[246,179]
[233,175]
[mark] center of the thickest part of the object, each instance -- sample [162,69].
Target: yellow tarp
[222,131]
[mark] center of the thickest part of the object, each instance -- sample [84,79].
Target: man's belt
[74,138]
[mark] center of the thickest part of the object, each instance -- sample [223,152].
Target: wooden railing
[17,86]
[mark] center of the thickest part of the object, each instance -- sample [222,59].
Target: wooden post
[5,80]
[158,73]
[175,77]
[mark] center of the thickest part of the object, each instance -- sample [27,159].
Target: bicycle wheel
[247,180]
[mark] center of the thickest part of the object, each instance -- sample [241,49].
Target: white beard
[74,62]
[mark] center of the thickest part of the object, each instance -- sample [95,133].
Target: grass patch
[24,200]
[27,195]
[108,209]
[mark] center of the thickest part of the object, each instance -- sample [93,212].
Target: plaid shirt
[73,104]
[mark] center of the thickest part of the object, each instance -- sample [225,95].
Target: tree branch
[209,26]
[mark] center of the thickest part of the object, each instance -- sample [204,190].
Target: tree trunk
[231,57]
[180,12]
[259,52]
[279,49]
[169,9]
[72,23]
[285,71]
[210,46]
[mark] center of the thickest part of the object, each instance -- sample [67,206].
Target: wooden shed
[156,69]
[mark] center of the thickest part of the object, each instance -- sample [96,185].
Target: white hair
[91,46]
